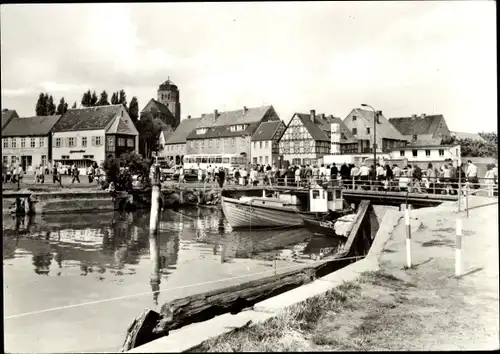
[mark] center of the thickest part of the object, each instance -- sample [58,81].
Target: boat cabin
[325,199]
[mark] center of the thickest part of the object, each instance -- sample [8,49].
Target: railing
[483,186]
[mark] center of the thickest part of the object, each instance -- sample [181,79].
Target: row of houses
[260,135]
[80,136]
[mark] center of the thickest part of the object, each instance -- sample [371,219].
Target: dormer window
[238,127]
[201,131]
[354,118]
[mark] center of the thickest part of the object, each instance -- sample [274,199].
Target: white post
[458,249]
[264,193]
[408,237]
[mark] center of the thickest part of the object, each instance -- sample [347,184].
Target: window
[414,153]
[44,160]
[13,142]
[427,152]
[84,141]
[130,142]
[32,142]
[65,157]
[367,130]
[91,157]
[354,131]
[233,141]
[255,145]
[402,153]
[168,97]
[5,160]
[255,160]
[71,142]
[260,145]
[266,143]
[201,131]
[13,160]
[354,118]
[110,141]
[267,159]
[414,137]
[217,142]
[260,160]
[58,142]
[41,142]
[23,142]
[210,143]
[121,141]
[5,142]
[98,141]
[441,152]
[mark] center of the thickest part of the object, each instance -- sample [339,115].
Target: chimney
[189,117]
[422,115]
[216,113]
[414,116]
[313,115]
[322,116]
[245,109]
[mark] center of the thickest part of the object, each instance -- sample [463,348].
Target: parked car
[190,175]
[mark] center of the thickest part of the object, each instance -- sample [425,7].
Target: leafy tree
[149,132]
[41,105]
[135,162]
[133,110]
[122,98]
[103,100]
[86,99]
[51,106]
[114,98]
[112,168]
[74,105]
[62,107]
[94,99]
[475,148]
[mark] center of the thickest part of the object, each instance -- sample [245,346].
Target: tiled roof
[472,136]
[266,130]
[160,106]
[430,146]
[220,127]
[7,115]
[384,128]
[90,118]
[126,127]
[31,126]
[183,130]
[168,85]
[321,127]
[417,125]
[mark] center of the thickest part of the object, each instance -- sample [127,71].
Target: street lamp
[375,119]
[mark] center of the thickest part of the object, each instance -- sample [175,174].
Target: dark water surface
[75,282]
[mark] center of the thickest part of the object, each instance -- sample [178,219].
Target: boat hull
[320,227]
[244,214]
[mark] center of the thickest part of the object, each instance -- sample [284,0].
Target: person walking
[90,173]
[364,175]
[222,177]
[76,174]
[354,175]
[334,171]
[297,176]
[471,174]
[380,172]
[344,172]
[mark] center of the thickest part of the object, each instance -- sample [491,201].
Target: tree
[62,107]
[93,99]
[74,105]
[86,99]
[475,148]
[135,162]
[122,98]
[149,132]
[133,110]
[103,100]
[114,98]
[41,105]
[51,106]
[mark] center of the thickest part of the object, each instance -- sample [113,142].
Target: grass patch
[381,278]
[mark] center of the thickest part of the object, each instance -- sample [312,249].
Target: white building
[90,134]
[27,141]
[424,154]
[265,143]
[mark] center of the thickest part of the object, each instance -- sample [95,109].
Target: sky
[400,57]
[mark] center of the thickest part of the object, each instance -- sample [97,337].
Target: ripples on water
[110,248]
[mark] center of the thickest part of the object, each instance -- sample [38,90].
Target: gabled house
[85,135]
[423,129]
[228,132]
[309,137]
[361,123]
[27,141]
[265,142]
[174,147]
[7,115]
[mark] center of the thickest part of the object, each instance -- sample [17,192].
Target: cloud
[403,57]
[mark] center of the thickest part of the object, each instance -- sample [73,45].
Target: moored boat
[339,227]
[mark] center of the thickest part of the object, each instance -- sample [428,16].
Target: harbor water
[75,282]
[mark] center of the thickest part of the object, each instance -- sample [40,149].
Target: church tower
[169,95]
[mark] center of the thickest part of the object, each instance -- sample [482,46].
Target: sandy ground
[422,308]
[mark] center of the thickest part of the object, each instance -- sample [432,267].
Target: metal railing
[483,186]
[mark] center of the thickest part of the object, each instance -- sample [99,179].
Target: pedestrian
[354,175]
[90,173]
[333,172]
[344,172]
[364,175]
[417,178]
[222,176]
[380,172]
[389,176]
[237,176]
[200,174]
[489,179]
[431,178]
[75,172]
[471,174]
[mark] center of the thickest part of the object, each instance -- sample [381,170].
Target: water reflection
[114,244]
